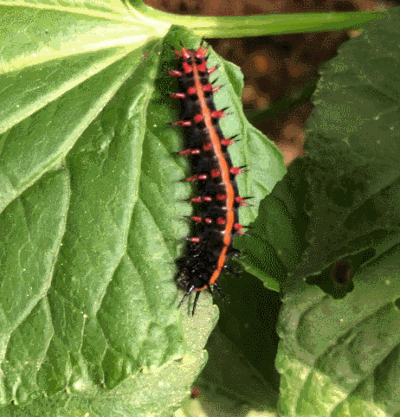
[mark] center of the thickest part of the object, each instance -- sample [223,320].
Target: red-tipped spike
[207,199]
[226,142]
[184,123]
[201,52]
[178,95]
[202,67]
[207,147]
[178,53]
[238,226]
[198,118]
[215,173]
[236,171]
[195,239]
[185,53]
[200,177]
[187,68]
[221,197]
[221,220]
[212,70]
[196,200]
[196,219]
[175,73]
[208,220]
[241,201]
[189,152]
[191,91]
[218,114]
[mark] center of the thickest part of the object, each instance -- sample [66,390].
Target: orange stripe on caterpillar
[215,219]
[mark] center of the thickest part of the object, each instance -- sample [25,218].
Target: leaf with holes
[339,353]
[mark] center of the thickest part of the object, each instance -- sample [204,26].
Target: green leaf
[339,352]
[354,145]
[91,202]
[277,235]
[242,349]
[161,390]
[238,379]
[36,32]
[337,356]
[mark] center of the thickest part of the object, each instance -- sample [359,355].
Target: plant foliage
[91,208]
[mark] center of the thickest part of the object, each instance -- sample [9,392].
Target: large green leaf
[339,354]
[91,208]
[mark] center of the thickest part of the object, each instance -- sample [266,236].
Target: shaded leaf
[340,357]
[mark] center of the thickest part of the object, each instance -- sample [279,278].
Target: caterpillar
[215,220]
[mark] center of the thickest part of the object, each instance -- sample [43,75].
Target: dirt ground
[280,71]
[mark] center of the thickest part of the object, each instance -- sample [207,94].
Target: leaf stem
[260,25]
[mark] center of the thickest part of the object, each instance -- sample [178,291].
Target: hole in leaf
[341,272]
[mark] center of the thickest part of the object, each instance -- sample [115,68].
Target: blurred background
[280,71]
